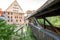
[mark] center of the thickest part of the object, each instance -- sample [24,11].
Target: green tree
[55,21]
[6,30]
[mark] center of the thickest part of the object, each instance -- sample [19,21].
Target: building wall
[14,14]
[14,18]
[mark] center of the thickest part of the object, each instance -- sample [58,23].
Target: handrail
[36,25]
[19,29]
[55,36]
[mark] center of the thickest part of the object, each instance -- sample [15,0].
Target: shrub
[6,30]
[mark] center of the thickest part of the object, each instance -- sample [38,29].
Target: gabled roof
[14,7]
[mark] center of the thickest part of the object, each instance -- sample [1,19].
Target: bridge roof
[50,8]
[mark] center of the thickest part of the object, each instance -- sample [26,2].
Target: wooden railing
[19,33]
[40,33]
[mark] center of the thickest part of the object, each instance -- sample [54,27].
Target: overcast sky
[25,4]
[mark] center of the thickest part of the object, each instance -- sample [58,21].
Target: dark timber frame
[39,27]
[49,9]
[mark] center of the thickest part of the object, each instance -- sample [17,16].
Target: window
[8,20]
[8,13]
[15,16]
[16,20]
[8,16]
[11,13]
[15,8]
[11,16]
[15,4]
[20,20]
[4,12]
[20,17]
[11,20]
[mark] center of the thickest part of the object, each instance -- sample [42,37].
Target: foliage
[40,21]
[6,30]
[28,36]
[55,21]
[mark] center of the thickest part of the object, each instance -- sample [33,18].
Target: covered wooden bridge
[42,31]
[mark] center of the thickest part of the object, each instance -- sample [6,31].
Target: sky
[25,4]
